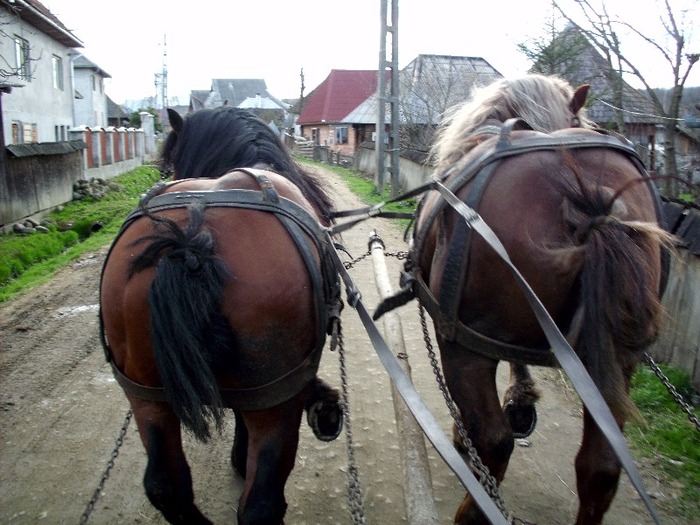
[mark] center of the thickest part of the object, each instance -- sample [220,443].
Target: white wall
[38,102]
[91,110]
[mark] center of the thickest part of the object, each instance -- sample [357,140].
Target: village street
[61,411]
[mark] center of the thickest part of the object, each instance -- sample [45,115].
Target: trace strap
[415,404]
[567,358]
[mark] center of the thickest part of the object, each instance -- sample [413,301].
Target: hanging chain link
[672,390]
[110,465]
[355,497]
[482,471]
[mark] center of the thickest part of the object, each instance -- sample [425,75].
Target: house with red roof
[337,113]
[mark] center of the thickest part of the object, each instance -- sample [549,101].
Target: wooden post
[417,485]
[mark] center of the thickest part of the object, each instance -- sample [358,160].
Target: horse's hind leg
[471,380]
[597,474]
[519,401]
[324,412]
[167,480]
[239,453]
[273,437]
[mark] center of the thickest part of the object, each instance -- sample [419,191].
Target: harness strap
[476,341]
[458,255]
[259,397]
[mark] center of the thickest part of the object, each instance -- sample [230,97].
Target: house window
[57,63]
[315,136]
[93,83]
[60,133]
[30,133]
[16,132]
[22,59]
[341,135]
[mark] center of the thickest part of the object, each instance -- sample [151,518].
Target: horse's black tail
[188,332]
[619,288]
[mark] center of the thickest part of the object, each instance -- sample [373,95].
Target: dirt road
[61,411]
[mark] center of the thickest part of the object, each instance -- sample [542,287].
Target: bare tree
[602,29]
[16,61]
[552,55]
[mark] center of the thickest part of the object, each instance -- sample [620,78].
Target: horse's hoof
[325,419]
[522,419]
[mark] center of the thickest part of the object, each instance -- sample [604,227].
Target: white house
[37,88]
[90,104]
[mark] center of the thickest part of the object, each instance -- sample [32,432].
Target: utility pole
[388,142]
[301,92]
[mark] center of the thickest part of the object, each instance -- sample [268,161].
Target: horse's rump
[265,284]
[529,201]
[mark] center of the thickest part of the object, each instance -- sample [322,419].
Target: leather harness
[444,308]
[306,233]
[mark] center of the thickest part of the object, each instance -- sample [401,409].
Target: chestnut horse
[579,219]
[217,294]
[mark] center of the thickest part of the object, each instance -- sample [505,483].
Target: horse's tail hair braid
[619,287]
[186,325]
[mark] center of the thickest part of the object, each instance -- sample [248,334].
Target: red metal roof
[341,92]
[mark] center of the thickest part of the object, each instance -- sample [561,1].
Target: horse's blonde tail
[620,293]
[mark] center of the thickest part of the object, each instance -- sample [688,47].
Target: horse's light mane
[542,101]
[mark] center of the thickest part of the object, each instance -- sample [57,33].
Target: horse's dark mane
[215,141]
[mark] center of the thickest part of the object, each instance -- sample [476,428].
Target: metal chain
[487,480]
[110,464]
[672,390]
[482,471]
[400,255]
[355,497]
[349,265]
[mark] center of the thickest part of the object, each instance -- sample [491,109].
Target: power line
[638,113]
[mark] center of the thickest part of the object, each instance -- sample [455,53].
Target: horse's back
[523,201]
[268,296]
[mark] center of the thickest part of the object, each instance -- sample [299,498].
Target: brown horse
[217,294]
[579,219]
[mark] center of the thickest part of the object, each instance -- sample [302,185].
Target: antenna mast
[161,82]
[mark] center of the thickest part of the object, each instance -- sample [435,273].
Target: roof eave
[45,24]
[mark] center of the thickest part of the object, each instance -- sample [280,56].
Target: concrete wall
[411,174]
[36,184]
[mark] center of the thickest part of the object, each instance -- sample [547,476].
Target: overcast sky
[274,39]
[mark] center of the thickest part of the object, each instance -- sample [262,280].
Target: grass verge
[74,229]
[665,436]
